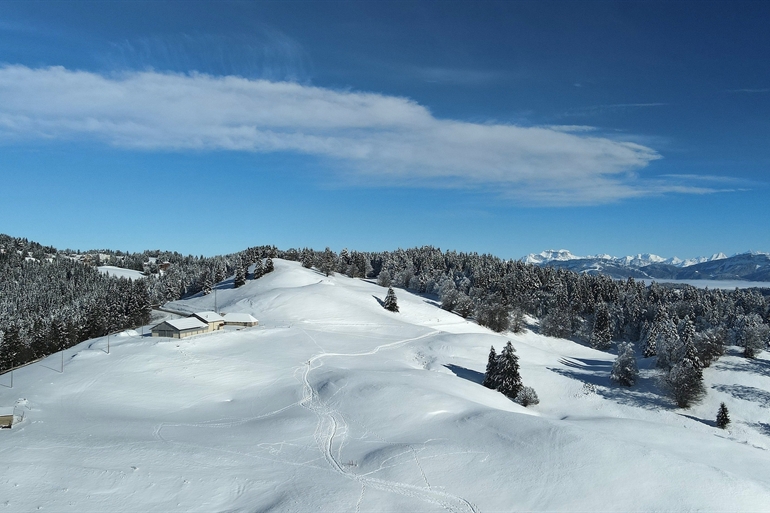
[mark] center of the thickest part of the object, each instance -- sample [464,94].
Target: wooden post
[108,344]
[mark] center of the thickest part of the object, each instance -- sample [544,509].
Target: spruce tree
[258,269]
[624,370]
[240,275]
[269,266]
[508,371]
[491,377]
[685,379]
[723,418]
[601,337]
[391,302]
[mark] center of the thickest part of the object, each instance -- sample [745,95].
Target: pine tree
[391,302]
[269,266]
[240,275]
[624,370]
[508,371]
[723,418]
[601,337]
[491,377]
[685,379]
[258,269]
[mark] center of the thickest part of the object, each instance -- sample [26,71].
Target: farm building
[240,319]
[180,328]
[213,319]
[6,416]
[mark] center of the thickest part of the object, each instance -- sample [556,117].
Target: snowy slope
[334,404]
[119,272]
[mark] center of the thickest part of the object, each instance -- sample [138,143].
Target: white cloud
[374,138]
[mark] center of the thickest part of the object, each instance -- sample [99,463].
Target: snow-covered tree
[383,279]
[723,418]
[508,371]
[391,302]
[491,376]
[240,274]
[269,265]
[601,336]
[527,396]
[624,370]
[259,270]
[685,379]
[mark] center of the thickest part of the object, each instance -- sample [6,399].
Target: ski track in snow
[330,422]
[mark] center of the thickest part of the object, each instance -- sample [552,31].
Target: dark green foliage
[491,376]
[493,314]
[509,379]
[601,336]
[685,379]
[723,418]
[240,274]
[390,303]
[269,266]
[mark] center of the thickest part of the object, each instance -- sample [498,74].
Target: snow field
[335,404]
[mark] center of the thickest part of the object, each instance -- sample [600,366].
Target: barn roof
[188,323]
[209,316]
[239,317]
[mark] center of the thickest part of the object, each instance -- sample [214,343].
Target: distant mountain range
[750,266]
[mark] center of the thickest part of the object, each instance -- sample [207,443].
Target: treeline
[684,327]
[49,302]
[45,305]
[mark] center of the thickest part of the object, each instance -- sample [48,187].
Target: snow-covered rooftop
[209,316]
[187,323]
[6,410]
[239,317]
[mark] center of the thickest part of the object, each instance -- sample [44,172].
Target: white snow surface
[335,404]
[119,272]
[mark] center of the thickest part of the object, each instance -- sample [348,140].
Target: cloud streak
[371,138]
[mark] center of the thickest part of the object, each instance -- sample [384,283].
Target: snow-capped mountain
[638,260]
[752,265]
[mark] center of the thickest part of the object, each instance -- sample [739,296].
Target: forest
[48,301]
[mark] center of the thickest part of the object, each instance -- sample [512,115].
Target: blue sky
[497,127]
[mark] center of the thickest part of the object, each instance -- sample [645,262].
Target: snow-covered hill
[750,266]
[335,404]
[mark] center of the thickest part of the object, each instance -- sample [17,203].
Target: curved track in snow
[331,425]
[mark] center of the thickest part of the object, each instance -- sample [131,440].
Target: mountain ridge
[748,266]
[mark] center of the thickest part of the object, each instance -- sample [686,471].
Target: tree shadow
[762,427]
[757,366]
[710,423]
[380,301]
[746,393]
[596,374]
[469,374]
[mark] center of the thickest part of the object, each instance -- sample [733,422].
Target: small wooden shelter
[213,319]
[180,328]
[240,319]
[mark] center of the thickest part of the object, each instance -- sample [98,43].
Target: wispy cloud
[374,138]
[265,53]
